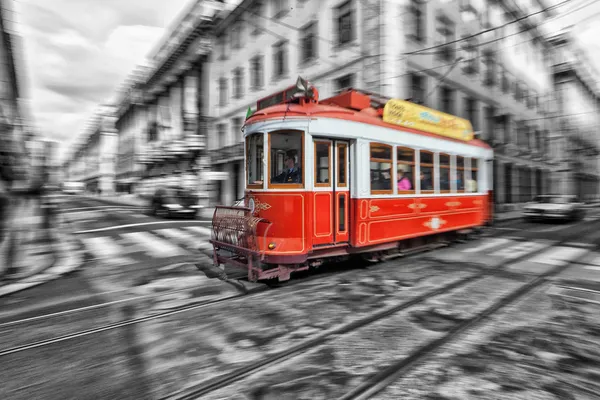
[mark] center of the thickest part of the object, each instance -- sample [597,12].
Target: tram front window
[255,159]
[286,158]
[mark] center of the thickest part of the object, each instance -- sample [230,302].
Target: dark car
[174,202]
[554,207]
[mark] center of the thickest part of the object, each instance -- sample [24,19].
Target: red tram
[351,174]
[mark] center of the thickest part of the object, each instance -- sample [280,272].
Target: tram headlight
[271,246]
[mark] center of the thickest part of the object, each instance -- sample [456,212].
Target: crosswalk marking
[200,229]
[518,250]
[153,245]
[102,246]
[179,235]
[560,255]
[488,244]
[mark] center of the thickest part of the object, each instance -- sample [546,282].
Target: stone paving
[543,347]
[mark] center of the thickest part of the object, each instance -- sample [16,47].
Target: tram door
[331,193]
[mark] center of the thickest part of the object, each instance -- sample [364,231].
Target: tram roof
[331,108]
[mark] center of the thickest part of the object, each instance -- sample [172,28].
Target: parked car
[174,201]
[554,207]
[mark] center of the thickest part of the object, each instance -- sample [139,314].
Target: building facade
[487,61]
[578,118]
[93,161]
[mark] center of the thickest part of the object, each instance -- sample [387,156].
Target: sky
[77,52]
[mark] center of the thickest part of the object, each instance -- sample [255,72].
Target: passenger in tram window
[291,174]
[426,183]
[403,180]
[460,185]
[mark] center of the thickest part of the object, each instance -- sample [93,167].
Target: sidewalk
[39,255]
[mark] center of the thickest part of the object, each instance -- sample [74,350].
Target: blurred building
[162,114]
[94,159]
[12,141]
[222,56]
[578,118]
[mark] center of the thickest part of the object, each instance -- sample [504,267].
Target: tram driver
[291,173]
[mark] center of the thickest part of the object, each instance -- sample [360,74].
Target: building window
[417,88]
[236,129]
[344,82]
[471,113]
[236,36]
[489,122]
[238,83]
[406,170]
[256,72]
[222,92]
[489,72]
[417,18]
[505,81]
[221,136]
[279,59]
[446,100]
[222,46]
[257,14]
[381,168]
[470,55]
[344,21]
[444,34]
[308,42]
[427,172]
[280,8]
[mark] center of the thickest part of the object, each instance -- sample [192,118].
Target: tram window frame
[412,165]
[473,161]
[427,165]
[318,168]
[342,164]
[258,136]
[444,169]
[300,161]
[389,161]
[458,168]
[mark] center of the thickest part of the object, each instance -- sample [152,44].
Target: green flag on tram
[249,113]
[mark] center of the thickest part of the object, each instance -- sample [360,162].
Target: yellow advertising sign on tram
[410,115]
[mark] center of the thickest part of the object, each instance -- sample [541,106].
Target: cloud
[77,52]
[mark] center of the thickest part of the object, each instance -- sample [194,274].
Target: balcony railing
[229,153]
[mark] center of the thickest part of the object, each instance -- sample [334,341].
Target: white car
[554,207]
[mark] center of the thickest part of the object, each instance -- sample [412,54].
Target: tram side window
[460,173]
[322,157]
[286,157]
[406,170]
[255,159]
[444,172]
[472,183]
[427,172]
[381,168]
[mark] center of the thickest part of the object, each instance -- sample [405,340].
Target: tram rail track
[196,391]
